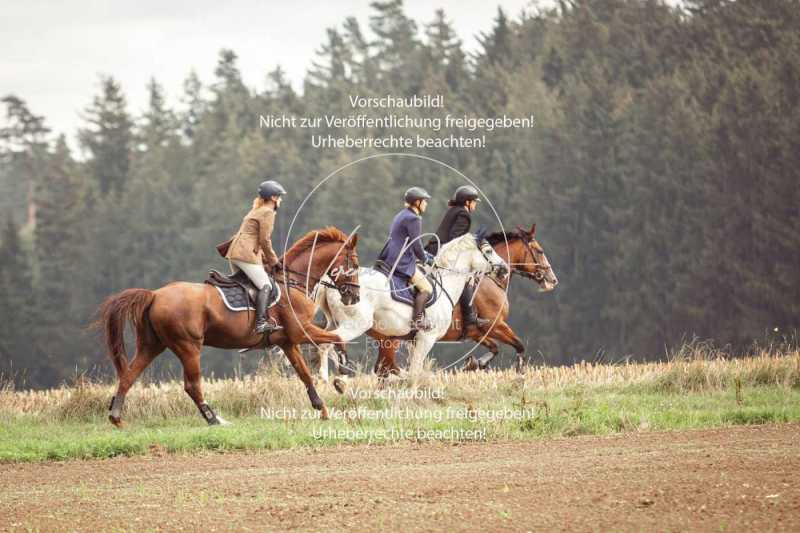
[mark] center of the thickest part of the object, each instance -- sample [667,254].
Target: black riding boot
[418,319]
[263,325]
[471,317]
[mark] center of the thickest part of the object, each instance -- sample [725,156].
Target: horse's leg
[323,349]
[322,352]
[421,346]
[485,359]
[319,335]
[482,362]
[327,342]
[386,363]
[189,354]
[502,332]
[343,361]
[145,353]
[295,357]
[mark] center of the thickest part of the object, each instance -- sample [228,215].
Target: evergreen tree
[108,137]
[159,123]
[194,105]
[17,318]
[23,147]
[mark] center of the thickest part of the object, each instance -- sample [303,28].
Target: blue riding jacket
[406,227]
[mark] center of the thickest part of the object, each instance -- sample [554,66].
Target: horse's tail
[130,305]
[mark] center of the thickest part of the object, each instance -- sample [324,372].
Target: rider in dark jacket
[456,222]
[403,249]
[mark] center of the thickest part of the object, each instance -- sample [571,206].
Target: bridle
[346,287]
[540,270]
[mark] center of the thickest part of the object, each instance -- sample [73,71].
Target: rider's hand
[429,258]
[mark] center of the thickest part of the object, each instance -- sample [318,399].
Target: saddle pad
[402,291]
[237,299]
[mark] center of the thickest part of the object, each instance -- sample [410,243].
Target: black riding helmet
[464,194]
[270,188]
[416,193]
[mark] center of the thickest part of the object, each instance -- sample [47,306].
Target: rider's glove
[429,258]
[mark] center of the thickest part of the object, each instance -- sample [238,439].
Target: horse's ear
[533,229]
[353,240]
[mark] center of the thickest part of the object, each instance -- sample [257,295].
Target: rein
[437,278]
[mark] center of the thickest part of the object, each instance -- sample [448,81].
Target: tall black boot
[262,324]
[470,316]
[418,319]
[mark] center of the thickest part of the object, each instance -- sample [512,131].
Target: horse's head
[330,252]
[344,272]
[472,253]
[527,259]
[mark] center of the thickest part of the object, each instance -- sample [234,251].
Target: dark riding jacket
[404,233]
[456,222]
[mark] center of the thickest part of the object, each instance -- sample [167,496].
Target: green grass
[571,410]
[699,387]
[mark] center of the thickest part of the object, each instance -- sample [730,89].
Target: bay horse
[526,257]
[185,316]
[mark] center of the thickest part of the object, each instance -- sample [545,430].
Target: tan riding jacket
[252,243]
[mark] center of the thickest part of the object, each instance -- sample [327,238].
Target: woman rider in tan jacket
[251,248]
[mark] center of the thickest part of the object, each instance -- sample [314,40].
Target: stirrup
[421,323]
[267,326]
[477,321]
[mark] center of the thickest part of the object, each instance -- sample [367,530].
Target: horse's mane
[502,236]
[464,242]
[329,234]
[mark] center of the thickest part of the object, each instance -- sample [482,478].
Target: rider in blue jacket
[403,248]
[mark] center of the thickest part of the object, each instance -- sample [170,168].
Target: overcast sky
[53,52]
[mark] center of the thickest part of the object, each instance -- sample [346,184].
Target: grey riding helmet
[416,193]
[270,188]
[465,193]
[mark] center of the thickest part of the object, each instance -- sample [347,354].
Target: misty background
[662,173]
[53,53]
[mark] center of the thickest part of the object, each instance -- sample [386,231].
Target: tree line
[662,174]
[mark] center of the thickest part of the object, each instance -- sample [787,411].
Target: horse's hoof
[116,421]
[323,413]
[471,365]
[344,371]
[222,422]
[483,362]
[340,385]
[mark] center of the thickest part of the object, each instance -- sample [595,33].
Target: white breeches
[255,272]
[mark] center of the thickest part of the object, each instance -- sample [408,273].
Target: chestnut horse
[520,250]
[184,317]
